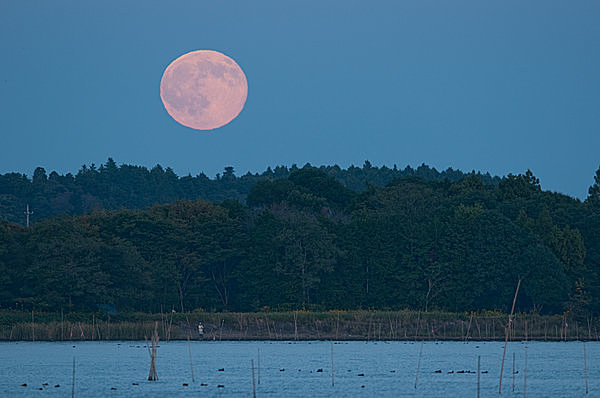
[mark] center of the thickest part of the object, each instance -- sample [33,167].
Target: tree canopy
[303,239]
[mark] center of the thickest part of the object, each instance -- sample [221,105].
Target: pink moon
[203,89]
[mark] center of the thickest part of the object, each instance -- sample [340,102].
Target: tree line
[112,187]
[308,241]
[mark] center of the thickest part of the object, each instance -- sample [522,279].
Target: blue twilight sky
[498,86]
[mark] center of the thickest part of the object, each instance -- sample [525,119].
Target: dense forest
[114,187]
[314,238]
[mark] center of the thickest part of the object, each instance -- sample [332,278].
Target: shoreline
[294,326]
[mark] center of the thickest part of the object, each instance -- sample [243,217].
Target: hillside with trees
[306,239]
[114,187]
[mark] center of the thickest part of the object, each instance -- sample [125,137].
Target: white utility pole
[28,213]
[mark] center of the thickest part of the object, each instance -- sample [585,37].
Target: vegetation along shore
[294,325]
[422,249]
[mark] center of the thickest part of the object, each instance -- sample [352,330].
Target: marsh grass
[332,325]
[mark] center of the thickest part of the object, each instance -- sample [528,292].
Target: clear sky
[498,86]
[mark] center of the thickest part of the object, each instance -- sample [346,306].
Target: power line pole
[28,213]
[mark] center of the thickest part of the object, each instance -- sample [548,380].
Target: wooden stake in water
[513,373]
[152,376]
[73,380]
[190,352]
[32,327]
[478,376]
[332,367]
[259,366]
[525,370]
[585,372]
[419,363]
[506,332]
[253,383]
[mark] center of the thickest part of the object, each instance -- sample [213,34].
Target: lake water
[290,369]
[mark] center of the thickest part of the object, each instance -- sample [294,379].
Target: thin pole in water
[32,327]
[478,376]
[585,372]
[253,383]
[506,332]
[332,367]
[419,363]
[259,365]
[73,381]
[190,352]
[525,370]
[513,373]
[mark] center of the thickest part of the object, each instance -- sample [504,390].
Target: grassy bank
[293,325]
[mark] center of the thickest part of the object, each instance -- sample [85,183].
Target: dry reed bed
[294,325]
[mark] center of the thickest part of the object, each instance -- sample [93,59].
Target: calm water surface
[290,369]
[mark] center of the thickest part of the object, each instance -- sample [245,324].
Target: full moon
[204,89]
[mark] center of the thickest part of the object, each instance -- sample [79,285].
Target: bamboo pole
[478,376]
[253,383]
[259,365]
[190,352]
[152,375]
[585,371]
[507,330]
[73,380]
[332,367]
[513,373]
[468,327]
[525,370]
[419,363]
